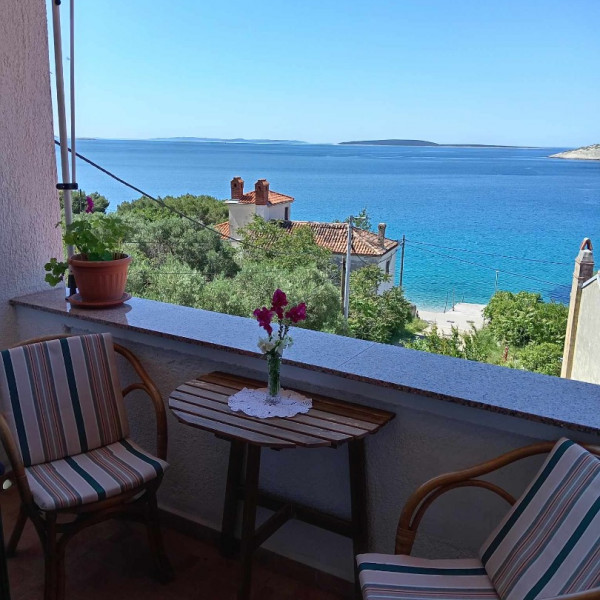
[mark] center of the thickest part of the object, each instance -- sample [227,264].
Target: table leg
[358,499]
[4,587]
[249,520]
[228,543]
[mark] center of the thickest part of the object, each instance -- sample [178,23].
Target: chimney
[381,237]
[261,187]
[237,188]
[584,270]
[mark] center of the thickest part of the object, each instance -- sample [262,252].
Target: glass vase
[274,370]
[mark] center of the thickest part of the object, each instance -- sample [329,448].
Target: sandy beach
[463,317]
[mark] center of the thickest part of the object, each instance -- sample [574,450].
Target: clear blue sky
[480,71]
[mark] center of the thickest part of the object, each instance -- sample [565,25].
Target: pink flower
[279,301]
[297,313]
[264,316]
[90,204]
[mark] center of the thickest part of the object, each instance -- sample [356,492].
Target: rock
[585,153]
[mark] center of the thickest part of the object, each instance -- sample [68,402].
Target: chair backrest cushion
[62,397]
[548,544]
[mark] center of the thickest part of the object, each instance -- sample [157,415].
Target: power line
[537,260]
[493,268]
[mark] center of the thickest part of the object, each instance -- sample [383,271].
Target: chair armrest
[420,501]
[147,385]
[16,462]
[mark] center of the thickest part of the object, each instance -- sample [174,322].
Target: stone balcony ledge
[549,400]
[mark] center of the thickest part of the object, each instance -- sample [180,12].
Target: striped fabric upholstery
[388,576]
[549,543]
[96,475]
[62,397]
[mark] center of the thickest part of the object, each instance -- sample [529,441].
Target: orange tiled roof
[333,236]
[223,229]
[274,198]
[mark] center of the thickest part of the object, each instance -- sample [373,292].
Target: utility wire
[537,260]
[493,268]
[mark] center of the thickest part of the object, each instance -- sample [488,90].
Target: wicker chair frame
[139,504]
[423,498]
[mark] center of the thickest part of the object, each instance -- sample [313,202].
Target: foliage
[477,344]
[523,318]
[373,316]
[253,287]
[190,245]
[362,220]
[545,357]
[97,237]
[79,202]
[267,241]
[206,209]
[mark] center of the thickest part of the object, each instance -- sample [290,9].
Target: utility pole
[402,259]
[347,270]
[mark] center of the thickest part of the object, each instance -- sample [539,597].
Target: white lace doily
[256,404]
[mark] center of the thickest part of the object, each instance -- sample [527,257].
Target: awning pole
[62,119]
[72,85]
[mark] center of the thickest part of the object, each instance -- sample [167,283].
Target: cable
[537,260]
[493,268]
[158,201]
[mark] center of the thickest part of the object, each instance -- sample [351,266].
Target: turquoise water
[490,201]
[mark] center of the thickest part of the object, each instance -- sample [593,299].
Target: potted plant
[99,266]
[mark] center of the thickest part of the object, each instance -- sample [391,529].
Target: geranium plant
[95,237]
[277,341]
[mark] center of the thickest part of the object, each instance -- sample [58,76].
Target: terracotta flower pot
[102,280]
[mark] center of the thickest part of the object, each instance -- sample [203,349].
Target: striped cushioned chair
[64,427]
[547,546]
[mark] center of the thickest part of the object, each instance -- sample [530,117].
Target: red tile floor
[112,561]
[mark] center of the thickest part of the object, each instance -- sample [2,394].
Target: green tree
[206,209]
[192,246]
[519,319]
[545,358]
[374,316]
[79,201]
[477,344]
[267,241]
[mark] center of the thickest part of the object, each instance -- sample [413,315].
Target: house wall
[28,196]
[240,215]
[586,357]
[276,212]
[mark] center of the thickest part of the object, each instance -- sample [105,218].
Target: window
[286,214]
[387,266]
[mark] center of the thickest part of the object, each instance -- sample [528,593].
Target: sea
[475,220]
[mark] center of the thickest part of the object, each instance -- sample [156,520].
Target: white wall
[28,197]
[586,357]
[240,215]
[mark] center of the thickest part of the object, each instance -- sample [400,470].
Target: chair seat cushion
[95,475]
[548,544]
[384,576]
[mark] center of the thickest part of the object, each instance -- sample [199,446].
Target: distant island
[225,140]
[419,143]
[585,153]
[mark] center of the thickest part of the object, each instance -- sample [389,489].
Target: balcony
[450,414]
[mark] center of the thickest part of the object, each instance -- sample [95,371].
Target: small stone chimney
[261,187]
[237,188]
[381,236]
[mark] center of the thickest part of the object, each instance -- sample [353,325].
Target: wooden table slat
[367,413]
[284,423]
[250,424]
[232,432]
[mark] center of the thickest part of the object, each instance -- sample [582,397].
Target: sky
[514,72]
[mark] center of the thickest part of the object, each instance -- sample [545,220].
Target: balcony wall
[449,414]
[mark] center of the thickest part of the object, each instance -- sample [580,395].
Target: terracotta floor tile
[111,561]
